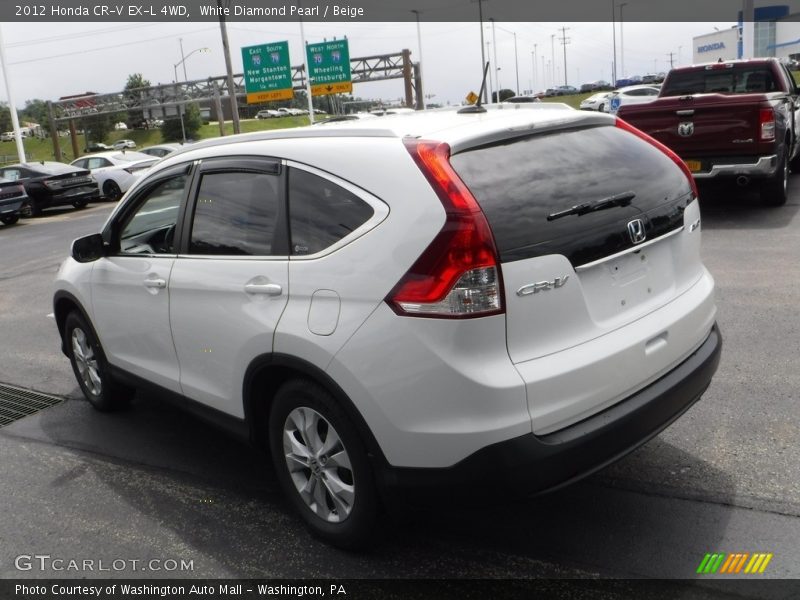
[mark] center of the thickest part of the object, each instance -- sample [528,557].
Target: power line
[79,34]
[87,51]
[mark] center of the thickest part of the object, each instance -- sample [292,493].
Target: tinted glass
[738,79]
[321,212]
[151,228]
[235,214]
[521,182]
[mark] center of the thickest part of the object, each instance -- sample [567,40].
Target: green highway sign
[329,68]
[267,72]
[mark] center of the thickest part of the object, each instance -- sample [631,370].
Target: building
[775,32]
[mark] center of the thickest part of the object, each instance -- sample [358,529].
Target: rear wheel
[90,367]
[322,465]
[774,191]
[10,220]
[600,107]
[111,190]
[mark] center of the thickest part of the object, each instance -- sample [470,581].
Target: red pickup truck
[735,120]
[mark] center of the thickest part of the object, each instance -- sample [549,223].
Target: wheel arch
[63,304]
[266,374]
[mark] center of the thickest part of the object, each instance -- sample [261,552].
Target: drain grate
[16,403]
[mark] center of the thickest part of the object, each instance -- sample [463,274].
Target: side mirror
[89,248]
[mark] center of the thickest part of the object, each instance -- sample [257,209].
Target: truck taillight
[675,158]
[766,120]
[458,275]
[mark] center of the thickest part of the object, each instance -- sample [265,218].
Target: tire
[80,204]
[774,190]
[33,208]
[90,367]
[111,191]
[338,503]
[600,107]
[10,220]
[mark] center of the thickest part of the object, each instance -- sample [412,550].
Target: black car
[52,184]
[12,199]
[98,147]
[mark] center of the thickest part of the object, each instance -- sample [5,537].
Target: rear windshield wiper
[623,199]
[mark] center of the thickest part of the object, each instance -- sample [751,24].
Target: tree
[171,129]
[505,94]
[135,80]
[5,118]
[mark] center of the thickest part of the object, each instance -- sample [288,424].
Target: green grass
[37,150]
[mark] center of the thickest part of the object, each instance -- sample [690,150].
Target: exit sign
[329,68]
[267,72]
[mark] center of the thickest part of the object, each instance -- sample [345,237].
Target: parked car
[736,120]
[596,102]
[268,113]
[97,147]
[123,144]
[344,118]
[566,90]
[12,200]
[7,136]
[633,94]
[489,302]
[522,99]
[115,171]
[52,184]
[161,150]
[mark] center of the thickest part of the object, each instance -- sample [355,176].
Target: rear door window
[235,214]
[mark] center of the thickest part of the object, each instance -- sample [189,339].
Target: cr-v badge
[540,286]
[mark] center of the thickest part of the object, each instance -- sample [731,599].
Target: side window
[151,228]
[98,162]
[11,174]
[321,212]
[235,214]
[81,164]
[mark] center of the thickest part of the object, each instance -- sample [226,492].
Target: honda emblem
[636,231]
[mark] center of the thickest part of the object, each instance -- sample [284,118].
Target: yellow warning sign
[343,87]
[471,98]
[269,96]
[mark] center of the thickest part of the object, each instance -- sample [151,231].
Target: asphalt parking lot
[153,483]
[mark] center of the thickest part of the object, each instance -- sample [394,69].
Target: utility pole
[622,39]
[183,61]
[671,61]
[553,59]
[496,66]
[614,41]
[564,41]
[229,67]
[516,62]
[533,84]
[483,54]
[544,74]
[420,95]
[11,106]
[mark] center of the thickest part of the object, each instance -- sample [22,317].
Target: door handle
[155,283]
[269,289]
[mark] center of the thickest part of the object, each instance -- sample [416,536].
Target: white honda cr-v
[490,299]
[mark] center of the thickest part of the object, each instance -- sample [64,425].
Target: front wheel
[80,204]
[10,220]
[90,367]
[774,191]
[322,465]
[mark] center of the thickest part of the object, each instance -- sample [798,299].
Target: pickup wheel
[774,190]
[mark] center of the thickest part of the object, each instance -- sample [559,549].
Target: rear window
[520,182]
[729,79]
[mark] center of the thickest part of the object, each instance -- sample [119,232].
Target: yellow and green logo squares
[734,563]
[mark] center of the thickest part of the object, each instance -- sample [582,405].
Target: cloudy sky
[50,60]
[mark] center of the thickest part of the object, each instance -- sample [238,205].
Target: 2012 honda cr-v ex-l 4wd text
[508,297]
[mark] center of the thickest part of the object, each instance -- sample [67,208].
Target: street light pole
[185,78]
[11,106]
[483,54]
[183,60]
[614,41]
[496,66]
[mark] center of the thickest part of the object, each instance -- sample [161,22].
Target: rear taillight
[766,120]
[458,274]
[675,158]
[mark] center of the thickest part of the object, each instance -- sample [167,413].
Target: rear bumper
[757,167]
[531,463]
